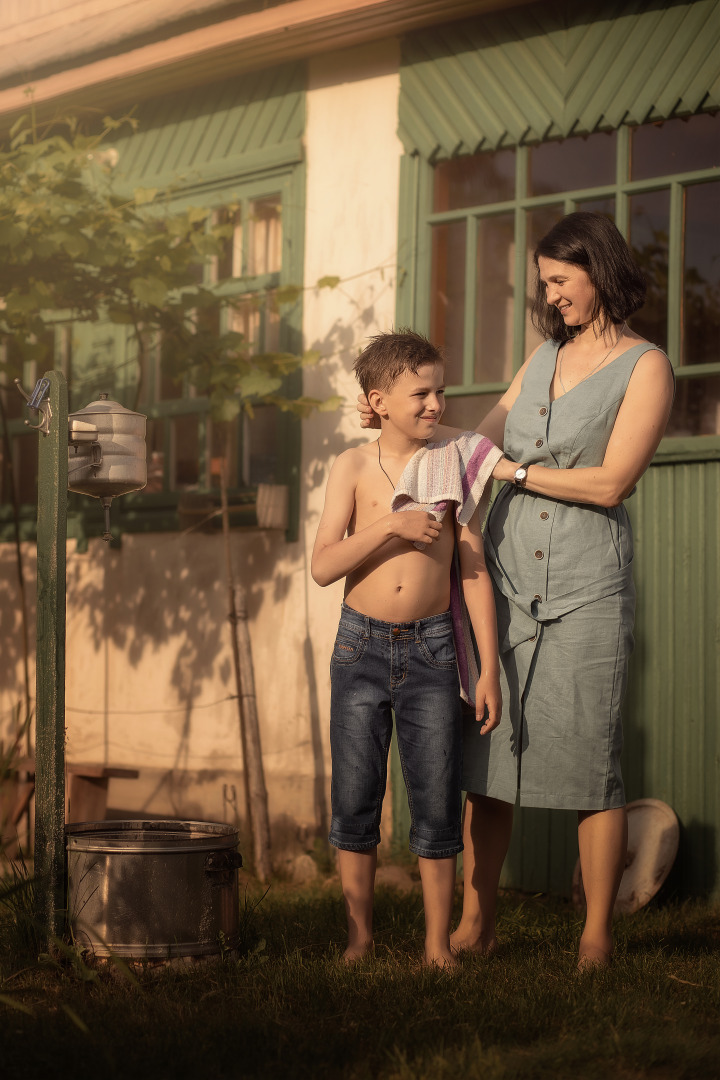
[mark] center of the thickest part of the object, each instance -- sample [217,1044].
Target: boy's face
[415,403]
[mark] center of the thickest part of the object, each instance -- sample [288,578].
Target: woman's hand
[368,417]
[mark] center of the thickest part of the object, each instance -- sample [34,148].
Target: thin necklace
[393,486]
[381,465]
[592,370]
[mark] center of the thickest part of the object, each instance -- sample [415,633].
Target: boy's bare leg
[357,877]
[487,825]
[438,885]
[602,839]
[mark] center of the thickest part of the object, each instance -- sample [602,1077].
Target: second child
[395,648]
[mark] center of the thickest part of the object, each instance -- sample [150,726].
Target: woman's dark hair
[592,242]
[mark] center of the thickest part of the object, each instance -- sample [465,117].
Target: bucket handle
[220,862]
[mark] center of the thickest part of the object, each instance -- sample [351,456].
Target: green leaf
[224,409]
[259,384]
[330,404]
[287,294]
[143,196]
[330,281]
[149,290]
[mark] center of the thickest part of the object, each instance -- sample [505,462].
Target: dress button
[539,555]
[538,442]
[544,516]
[543,411]
[538,597]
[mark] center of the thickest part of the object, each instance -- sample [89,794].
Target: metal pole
[50,662]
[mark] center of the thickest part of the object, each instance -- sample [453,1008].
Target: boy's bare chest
[373,499]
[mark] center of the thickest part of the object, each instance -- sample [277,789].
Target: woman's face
[569,289]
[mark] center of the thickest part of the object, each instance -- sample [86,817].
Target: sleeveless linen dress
[562,575]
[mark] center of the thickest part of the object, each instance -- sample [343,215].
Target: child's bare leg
[602,839]
[487,825]
[438,885]
[357,877]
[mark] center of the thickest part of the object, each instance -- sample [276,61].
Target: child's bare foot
[441,957]
[469,938]
[358,951]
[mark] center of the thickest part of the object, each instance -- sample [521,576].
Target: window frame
[417,219]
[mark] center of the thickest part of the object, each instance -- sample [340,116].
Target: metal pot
[106,456]
[153,889]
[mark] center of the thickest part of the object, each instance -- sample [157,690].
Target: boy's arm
[336,555]
[478,592]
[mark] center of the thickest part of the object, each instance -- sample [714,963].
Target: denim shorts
[408,668]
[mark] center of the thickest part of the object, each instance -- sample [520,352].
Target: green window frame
[416,294]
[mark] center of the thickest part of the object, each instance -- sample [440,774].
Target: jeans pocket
[349,645]
[438,649]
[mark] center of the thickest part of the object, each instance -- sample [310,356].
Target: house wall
[149,664]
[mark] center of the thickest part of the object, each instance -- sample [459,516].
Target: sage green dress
[565,602]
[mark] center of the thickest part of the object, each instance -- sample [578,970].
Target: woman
[579,425]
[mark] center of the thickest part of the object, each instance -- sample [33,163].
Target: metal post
[50,661]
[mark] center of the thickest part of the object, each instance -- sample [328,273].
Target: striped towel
[453,471]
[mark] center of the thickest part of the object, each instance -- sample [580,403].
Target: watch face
[520,475]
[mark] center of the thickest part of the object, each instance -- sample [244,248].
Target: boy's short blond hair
[391,353]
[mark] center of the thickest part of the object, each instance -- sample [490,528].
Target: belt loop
[417,631]
[367,627]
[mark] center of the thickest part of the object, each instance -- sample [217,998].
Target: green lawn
[286,1008]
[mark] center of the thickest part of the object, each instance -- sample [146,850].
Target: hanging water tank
[106,452]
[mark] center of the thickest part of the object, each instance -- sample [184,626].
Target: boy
[395,648]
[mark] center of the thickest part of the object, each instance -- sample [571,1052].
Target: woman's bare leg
[438,885]
[357,877]
[487,825]
[602,839]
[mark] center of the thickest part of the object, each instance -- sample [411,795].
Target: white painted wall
[149,667]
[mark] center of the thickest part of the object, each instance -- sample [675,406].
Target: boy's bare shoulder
[356,458]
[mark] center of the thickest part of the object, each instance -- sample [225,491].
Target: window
[659,182]
[185,448]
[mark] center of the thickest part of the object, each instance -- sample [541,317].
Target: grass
[287,1009]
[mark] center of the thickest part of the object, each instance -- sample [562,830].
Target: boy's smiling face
[415,402]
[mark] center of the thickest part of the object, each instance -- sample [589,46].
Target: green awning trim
[542,72]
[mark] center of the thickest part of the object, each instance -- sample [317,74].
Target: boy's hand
[368,417]
[417,526]
[488,703]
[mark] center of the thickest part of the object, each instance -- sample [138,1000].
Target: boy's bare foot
[471,939]
[440,958]
[358,951]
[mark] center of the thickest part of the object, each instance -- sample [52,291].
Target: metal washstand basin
[153,889]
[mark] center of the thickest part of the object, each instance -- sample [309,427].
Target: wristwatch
[520,477]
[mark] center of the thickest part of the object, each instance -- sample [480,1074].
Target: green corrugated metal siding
[221,127]
[525,75]
[673,706]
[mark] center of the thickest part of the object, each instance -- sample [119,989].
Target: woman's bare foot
[358,951]
[593,955]
[470,938]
